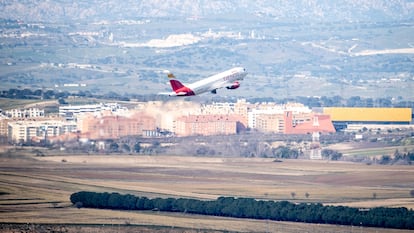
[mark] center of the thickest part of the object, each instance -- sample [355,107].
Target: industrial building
[344,116]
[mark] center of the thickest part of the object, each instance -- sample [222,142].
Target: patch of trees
[400,218]
[251,149]
[284,152]
[33,94]
[52,94]
[405,158]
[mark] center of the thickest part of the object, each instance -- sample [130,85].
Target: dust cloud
[165,113]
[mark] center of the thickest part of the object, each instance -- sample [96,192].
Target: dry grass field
[35,190]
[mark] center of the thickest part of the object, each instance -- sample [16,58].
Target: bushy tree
[113,147]
[331,154]
[126,148]
[137,147]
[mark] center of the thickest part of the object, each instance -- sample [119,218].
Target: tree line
[400,218]
[14,93]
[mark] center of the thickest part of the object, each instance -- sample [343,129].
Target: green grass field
[7,104]
[362,152]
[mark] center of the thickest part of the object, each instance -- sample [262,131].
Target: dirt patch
[11,228]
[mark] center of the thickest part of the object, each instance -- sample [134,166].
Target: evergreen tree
[257,209]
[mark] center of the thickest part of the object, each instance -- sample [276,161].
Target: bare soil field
[34,191]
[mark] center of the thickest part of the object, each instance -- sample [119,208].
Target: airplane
[228,79]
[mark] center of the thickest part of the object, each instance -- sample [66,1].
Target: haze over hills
[302,10]
[300,48]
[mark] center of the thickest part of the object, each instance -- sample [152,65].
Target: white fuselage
[221,80]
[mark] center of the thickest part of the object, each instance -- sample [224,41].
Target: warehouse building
[342,117]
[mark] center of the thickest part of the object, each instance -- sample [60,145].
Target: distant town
[152,127]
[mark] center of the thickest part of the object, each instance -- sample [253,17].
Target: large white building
[217,108]
[274,109]
[71,112]
[25,113]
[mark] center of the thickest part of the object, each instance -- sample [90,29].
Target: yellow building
[343,116]
[378,115]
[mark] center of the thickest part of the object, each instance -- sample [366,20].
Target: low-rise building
[308,123]
[289,122]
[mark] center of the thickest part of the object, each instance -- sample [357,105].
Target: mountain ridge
[302,10]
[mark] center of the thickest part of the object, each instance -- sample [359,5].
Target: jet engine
[235,85]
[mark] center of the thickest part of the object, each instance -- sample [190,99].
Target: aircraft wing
[173,93]
[220,85]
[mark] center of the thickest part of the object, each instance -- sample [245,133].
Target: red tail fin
[180,89]
[176,85]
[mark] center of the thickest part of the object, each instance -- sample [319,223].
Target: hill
[307,48]
[304,10]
